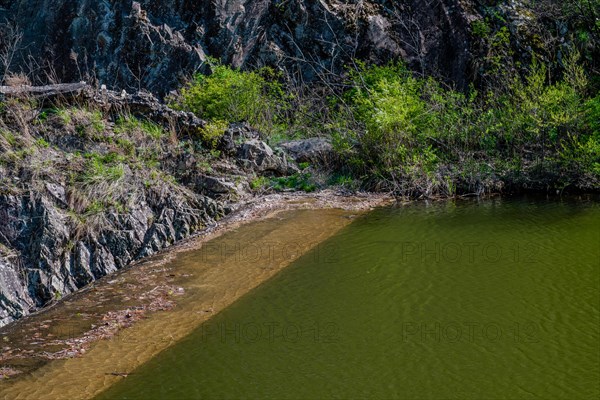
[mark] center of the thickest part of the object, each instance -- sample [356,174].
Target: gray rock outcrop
[155,44]
[48,249]
[312,150]
[259,157]
[53,258]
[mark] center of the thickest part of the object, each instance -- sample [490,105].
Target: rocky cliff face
[154,44]
[50,259]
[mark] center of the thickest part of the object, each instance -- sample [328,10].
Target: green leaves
[232,95]
[411,133]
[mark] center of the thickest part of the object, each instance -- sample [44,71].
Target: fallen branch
[45,91]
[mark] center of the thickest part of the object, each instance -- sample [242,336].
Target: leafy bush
[259,183]
[480,28]
[392,138]
[299,181]
[414,136]
[232,95]
[213,132]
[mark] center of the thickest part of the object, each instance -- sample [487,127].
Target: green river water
[494,299]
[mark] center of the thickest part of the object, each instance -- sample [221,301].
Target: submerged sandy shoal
[205,276]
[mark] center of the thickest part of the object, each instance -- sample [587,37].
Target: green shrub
[343,180]
[480,28]
[413,135]
[232,95]
[592,107]
[213,132]
[259,182]
[395,123]
[300,181]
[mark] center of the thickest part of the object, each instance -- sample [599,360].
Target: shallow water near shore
[210,277]
[496,298]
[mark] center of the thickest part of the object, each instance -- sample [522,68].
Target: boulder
[235,135]
[312,150]
[259,157]
[42,255]
[14,299]
[215,188]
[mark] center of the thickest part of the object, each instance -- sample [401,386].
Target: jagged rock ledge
[45,253]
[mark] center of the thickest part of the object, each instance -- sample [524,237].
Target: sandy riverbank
[86,342]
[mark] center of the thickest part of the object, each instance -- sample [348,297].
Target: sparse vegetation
[129,125]
[394,130]
[212,133]
[106,164]
[260,182]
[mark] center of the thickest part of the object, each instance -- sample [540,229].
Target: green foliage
[87,123]
[126,146]
[480,28]
[414,136]
[582,152]
[153,130]
[95,207]
[586,12]
[42,116]
[397,123]
[65,115]
[500,53]
[259,182]
[103,168]
[97,121]
[128,124]
[232,95]
[45,114]
[592,107]
[42,143]
[8,136]
[343,180]
[299,181]
[213,132]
